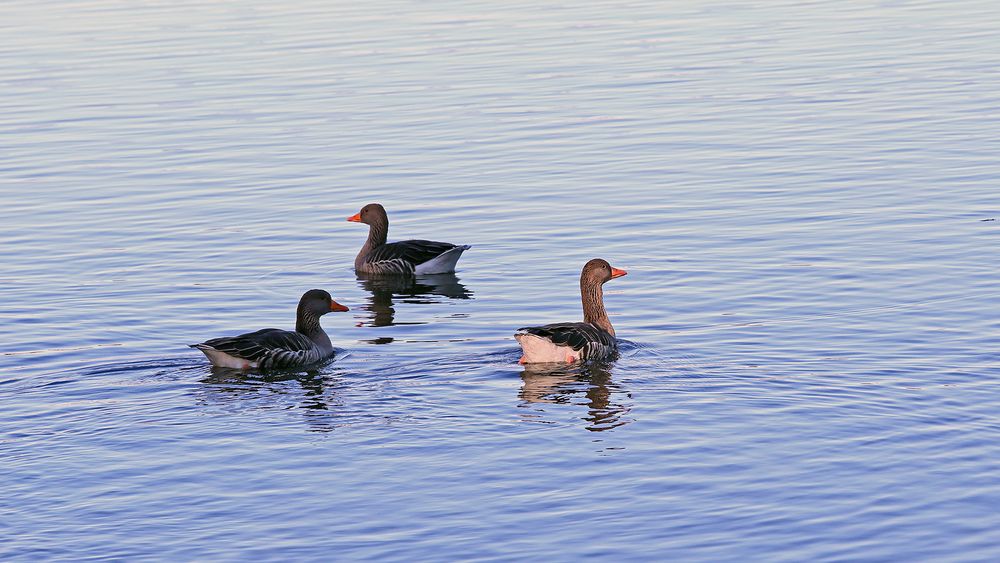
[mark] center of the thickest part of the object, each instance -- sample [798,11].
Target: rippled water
[805,196]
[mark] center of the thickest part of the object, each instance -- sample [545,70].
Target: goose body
[403,257]
[268,348]
[273,348]
[565,343]
[592,339]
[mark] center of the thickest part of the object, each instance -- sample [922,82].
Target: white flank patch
[224,360]
[539,350]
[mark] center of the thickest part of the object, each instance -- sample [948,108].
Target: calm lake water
[806,196]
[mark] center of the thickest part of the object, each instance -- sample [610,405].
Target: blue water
[805,196]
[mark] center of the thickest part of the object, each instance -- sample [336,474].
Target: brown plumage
[594,338]
[273,348]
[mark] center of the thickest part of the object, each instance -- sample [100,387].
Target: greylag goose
[404,257]
[273,348]
[592,339]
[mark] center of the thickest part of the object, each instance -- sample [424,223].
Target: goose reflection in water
[237,391]
[387,291]
[589,385]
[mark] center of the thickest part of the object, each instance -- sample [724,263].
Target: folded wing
[268,348]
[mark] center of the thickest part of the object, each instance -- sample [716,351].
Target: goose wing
[270,348]
[404,256]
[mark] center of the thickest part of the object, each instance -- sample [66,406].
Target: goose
[273,348]
[404,257]
[594,338]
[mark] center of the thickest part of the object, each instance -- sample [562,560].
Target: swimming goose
[273,348]
[404,257]
[594,338]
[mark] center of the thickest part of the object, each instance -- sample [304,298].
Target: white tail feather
[443,263]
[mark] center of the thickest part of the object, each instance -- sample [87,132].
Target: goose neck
[592,295]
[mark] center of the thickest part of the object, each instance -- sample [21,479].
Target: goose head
[371,214]
[318,302]
[598,271]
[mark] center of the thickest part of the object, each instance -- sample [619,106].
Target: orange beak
[337,307]
[616,273]
[356,218]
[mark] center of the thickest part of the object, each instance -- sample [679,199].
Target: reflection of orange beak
[334,306]
[356,218]
[616,273]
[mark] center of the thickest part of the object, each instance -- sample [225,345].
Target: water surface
[804,195]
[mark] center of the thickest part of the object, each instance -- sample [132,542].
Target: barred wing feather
[270,348]
[402,257]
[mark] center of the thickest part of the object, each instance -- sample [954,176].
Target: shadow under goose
[589,385]
[386,292]
[307,392]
